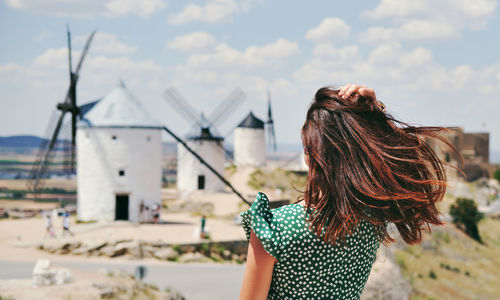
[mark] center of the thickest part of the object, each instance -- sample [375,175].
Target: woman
[366,170]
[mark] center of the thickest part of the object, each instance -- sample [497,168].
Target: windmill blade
[69,53]
[59,161]
[273,135]
[270,122]
[84,53]
[40,166]
[182,106]
[43,146]
[269,111]
[223,110]
[202,161]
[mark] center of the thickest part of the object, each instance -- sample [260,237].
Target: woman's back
[307,267]
[366,169]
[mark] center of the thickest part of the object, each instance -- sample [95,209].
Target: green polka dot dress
[307,267]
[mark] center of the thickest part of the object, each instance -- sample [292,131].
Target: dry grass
[450,265]
[15,184]
[286,181]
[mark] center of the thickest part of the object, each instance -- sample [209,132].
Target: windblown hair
[366,165]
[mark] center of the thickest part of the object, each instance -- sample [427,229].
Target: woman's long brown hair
[366,165]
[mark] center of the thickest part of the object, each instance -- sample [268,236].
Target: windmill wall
[249,147]
[189,168]
[120,162]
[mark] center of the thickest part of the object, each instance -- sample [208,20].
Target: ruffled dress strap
[259,219]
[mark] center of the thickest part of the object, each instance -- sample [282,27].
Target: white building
[250,142]
[192,175]
[118,160]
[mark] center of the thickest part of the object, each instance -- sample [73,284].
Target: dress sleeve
[260,219]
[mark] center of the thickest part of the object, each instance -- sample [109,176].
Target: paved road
[195,281]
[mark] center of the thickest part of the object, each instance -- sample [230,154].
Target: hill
[22,141]
[450,265]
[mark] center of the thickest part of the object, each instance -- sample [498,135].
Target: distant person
[66,230]
[49,228]
[156,213]
[366,170]
[142,209]
[202,228]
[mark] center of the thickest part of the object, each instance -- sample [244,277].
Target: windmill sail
[69,105]
[270,123]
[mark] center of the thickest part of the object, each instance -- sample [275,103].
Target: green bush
[496,175]
[465,215]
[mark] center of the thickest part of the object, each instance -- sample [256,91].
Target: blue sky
[432,62]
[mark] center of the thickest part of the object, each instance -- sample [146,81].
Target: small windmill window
[201,182]
[113,137]
[121,173]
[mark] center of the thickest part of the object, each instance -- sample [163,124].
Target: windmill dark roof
[251,121]
[205,135]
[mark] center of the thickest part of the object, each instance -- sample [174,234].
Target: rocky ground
[206,251]
[83,285]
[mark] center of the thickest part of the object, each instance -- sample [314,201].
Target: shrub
[496,175]
[464,213]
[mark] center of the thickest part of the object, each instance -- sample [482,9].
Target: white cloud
[195,41]
[426,29]
[214,11]
[459,9]
[461,76]
[255,69]
[329,29]
[10,67]
[143,8]
[50,70]
[388,62]
[413,85]
[53,57]
[395,9]
[106,43]
[225,57]
[419,56]
[329,51]
[89,9]
[412,30]
[426,19]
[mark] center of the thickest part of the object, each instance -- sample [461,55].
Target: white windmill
[192,174]
[250,142]
[119,159]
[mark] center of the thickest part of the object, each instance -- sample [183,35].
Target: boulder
[148,251]
[107,251]
[193,257]
[42,274]
[63,276]
[81,251]
[166,254]
[68,247]
[51,246]
[105,291]
[94,245]
[173,294]
[216,256]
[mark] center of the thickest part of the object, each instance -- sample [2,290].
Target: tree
[464,213]
[496,175]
